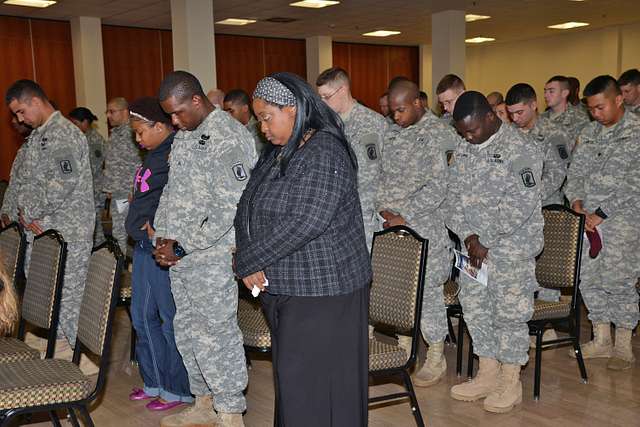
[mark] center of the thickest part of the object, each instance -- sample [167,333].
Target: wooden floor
[609,399]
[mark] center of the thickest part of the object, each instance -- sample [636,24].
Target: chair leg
[85,413]
[7,417]
[73,418]
[452,335]
[54,419]
[470,358]
[415,408]
[583,369]
[132,351]
[538,368]
[460,345]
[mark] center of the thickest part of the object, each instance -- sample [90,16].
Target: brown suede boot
[508,393]
[485,382]
[622,357]
[600,346]
[200,414]
[434,368]
[230,420]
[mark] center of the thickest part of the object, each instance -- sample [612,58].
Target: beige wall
[583,54]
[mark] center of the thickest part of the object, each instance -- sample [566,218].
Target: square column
[194,40]
[319,56]
[448,48]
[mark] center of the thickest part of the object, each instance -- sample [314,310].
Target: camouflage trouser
[497,315]
[75,276]
[608,285]
[433,321]
[372,224]
[117,226]
[207,333]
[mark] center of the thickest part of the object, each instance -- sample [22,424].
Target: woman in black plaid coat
[300,241]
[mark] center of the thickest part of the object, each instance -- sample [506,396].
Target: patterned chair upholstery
[41,301]
[253,324]
[51,384]
[398,259]
[558,267]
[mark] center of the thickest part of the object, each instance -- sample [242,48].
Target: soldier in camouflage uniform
[629,83]
[448,90]
[237,103]
[84,118]
[9,210]
[494,207]
[122,157]
[560,111]
[364,129]
[57,194]
[604,184]
[412,191]
[556,147]
[209,166]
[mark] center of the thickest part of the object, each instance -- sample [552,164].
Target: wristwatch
[178,250]
[601,214]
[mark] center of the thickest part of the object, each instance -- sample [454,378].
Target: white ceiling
[511,19]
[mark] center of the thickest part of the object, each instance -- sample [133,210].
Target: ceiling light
[568,25]
[314,4]
[236,21]
[381,33]
[480,40]
[30,3]
[471,17]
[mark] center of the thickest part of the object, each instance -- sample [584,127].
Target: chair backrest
[398,259]
[43,290]
[558,266]
[100,296]
[12,247]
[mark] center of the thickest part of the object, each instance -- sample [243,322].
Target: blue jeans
[152,312]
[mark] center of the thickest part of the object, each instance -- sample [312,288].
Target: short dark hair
[83,113]
[237,96]
[450,81]
[408,88]
[498,95]
[631,76]
[521,92]
[563,80]
[602,84]
[22,89]
[471,104]
[423,96]
[331,75]
[181,85]
[396,81]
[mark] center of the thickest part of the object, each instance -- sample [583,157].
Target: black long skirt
[320,359]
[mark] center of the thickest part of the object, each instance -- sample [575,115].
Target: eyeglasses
[328,97]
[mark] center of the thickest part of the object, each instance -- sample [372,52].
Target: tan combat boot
[508,393]
[404,342]
[434,368]
[36,342]
[200,414]
[622,357]
[485,382]
[63,350]
[230,420]
[600,346]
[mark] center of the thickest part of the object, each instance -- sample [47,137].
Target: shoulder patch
[65,166]
[372,151]
[562,151]
[528,179]
[239,172]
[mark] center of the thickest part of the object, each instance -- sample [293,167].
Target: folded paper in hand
[463,263]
